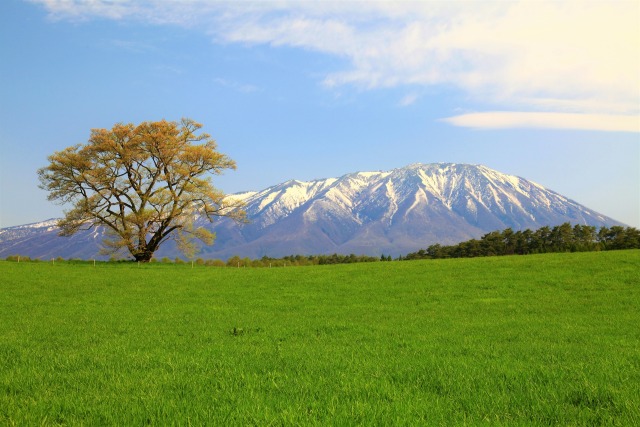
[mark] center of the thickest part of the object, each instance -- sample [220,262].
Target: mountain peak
[392,212]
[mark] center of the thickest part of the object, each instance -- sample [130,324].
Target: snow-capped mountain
[393,212]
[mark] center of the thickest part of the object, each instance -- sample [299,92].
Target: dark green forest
[561,238]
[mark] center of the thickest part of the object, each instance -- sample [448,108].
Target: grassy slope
[552,339]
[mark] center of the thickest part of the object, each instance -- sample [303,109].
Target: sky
[548,91]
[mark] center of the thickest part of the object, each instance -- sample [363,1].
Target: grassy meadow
[532,340]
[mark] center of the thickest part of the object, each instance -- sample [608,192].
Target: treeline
[234,261]
[300,260]
[561,238]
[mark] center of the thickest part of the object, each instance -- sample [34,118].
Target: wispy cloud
[236,86]
[408,100]
[86,9]
[509,120]
[564,57]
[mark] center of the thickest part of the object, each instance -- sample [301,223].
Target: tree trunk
[144,256]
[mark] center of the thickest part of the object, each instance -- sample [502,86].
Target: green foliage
[18,258]
[561,238]
[538,340]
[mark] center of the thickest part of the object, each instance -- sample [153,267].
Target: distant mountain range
[365,213]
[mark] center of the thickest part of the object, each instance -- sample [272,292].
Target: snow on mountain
[391,212]
[41,240]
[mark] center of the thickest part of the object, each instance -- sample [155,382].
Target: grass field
[534,340]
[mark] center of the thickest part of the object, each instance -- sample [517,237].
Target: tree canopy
[144,183]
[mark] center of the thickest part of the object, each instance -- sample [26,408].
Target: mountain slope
[392,212]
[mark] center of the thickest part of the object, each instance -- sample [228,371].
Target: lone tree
[145,184]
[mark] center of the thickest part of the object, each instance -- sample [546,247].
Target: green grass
[535,340]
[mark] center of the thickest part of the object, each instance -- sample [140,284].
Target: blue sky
[549,91]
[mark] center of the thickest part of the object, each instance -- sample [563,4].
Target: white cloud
[408,100]
[561,56]
[506,120]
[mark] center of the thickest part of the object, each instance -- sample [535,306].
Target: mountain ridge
[369,213]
